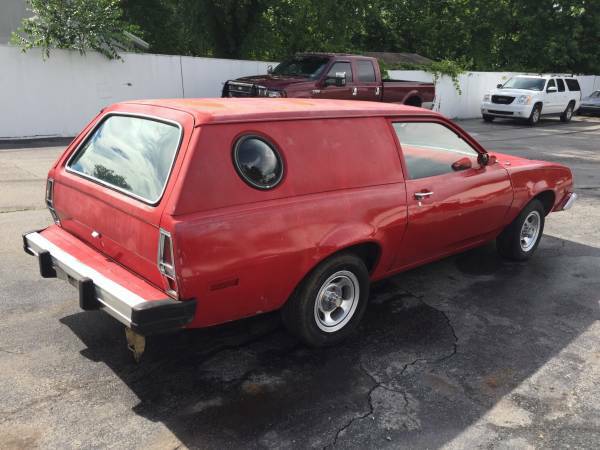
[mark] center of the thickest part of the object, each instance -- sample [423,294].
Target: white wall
[474,85]
[59,95]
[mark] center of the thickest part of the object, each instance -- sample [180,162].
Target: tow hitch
[136,343]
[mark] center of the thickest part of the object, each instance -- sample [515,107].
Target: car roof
[219,110]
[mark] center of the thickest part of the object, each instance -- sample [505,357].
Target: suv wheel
[568,113]
[520,239]
[536,114]
[329,304]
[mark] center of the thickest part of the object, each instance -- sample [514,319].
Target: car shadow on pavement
[439,348]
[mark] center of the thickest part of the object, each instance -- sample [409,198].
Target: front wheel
[521,238]
[328,305]
[536,114]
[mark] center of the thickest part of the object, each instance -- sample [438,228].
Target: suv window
[366,71]
[341,67]
[550,84]
[430,148]
[572,84]
[131,154]
[561,85]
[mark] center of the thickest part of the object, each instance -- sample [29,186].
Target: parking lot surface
[470,351]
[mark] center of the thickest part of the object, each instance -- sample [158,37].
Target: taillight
[166,262]
[50,200]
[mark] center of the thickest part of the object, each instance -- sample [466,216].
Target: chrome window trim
[116,188]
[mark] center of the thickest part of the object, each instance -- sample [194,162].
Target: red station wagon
[192,213]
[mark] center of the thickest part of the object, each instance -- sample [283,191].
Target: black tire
[510,244]
[487,118]
[568,112]
[535,116]
[301,310]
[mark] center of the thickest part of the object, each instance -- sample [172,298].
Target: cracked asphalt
[468,352]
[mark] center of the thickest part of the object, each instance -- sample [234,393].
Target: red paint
[388,91]
[242,251]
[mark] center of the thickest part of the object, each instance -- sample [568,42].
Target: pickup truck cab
[331,76]
[529,97]
[191,213]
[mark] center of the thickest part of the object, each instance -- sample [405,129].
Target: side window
[573,84]
[551,83]
[257,162]
[430,148]
[339,67]
[366,71]
[561,85]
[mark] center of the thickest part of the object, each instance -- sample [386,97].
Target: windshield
[595,94]
[530,84]
[302,66]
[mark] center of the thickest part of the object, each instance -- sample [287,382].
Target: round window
[257,162]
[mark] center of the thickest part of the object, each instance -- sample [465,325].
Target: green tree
[74,24]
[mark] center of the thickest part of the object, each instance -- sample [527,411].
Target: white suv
[529,97]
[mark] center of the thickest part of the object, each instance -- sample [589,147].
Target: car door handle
[354,91]
[422,195]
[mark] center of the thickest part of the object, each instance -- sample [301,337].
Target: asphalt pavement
[469,352]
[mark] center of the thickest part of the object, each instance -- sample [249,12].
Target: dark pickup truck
[332,76]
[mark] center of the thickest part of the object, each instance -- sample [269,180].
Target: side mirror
[499,86]
[269,69]
[551,89]
[338,80]
[485,159]
[462,164]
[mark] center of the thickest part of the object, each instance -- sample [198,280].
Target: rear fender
[528,182]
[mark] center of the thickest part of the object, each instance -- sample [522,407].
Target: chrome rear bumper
[571,198]
[96,291]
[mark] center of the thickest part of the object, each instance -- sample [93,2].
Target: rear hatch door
[113,184]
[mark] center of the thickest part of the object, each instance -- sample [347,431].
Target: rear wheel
[521,238]
[536,114]
[488,118]
[329,304]
[568,113]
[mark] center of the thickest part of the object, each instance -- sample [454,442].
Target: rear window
[130,154]
[572,84]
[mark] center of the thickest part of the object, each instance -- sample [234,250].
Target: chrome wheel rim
[530,231]
[569,112]
[536,114]
[336,301]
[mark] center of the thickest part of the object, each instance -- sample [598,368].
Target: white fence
[58,96]
[473,86]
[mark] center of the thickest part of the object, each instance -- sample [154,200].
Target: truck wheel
[487,118]
[329,304]
[568,113]
[536,114]
[520,239]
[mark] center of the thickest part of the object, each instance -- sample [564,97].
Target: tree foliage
[519,35]
[74,24]
[523,35]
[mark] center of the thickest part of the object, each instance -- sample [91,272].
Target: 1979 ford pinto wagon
[190,213]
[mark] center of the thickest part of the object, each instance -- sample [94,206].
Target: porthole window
[258,162]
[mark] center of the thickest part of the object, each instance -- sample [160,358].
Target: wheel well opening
[413,101]
[369,252]
[547,198]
